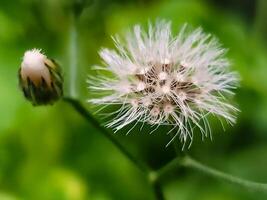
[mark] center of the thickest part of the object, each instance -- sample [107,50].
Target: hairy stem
[85,114]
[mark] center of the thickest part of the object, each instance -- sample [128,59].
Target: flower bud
[40,78]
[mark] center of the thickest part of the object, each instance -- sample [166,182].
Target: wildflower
[163,79]
[40,78]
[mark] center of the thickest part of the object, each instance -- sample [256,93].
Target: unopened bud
[40,78]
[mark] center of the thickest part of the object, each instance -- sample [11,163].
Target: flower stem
[76,10]
[180,161]
[152,176]
[158,191]
[169,167]
[189,162]
[85,114]
[155,183]
[73,48]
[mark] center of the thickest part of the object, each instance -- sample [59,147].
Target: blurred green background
[52,153]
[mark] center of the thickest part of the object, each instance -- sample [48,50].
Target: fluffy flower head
[163,79]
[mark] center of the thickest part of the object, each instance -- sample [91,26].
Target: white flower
[167,80]
[40,78]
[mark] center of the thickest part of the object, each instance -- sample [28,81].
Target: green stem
[169,167]
[85,114]
[73,48]
[189,162]
[152,176]
[158,191]
[75,12]
[156,186]
[181,161]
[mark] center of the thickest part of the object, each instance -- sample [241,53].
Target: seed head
[40,78]
[170,80]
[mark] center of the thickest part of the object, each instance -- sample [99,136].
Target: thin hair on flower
[161,79]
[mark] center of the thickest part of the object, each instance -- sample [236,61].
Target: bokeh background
[52,153]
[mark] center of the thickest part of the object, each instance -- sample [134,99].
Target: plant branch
[158,191]
[152,176]
[73,48]
[156,186]
[169,167]
[85,114]
[189,162]
[181,161]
